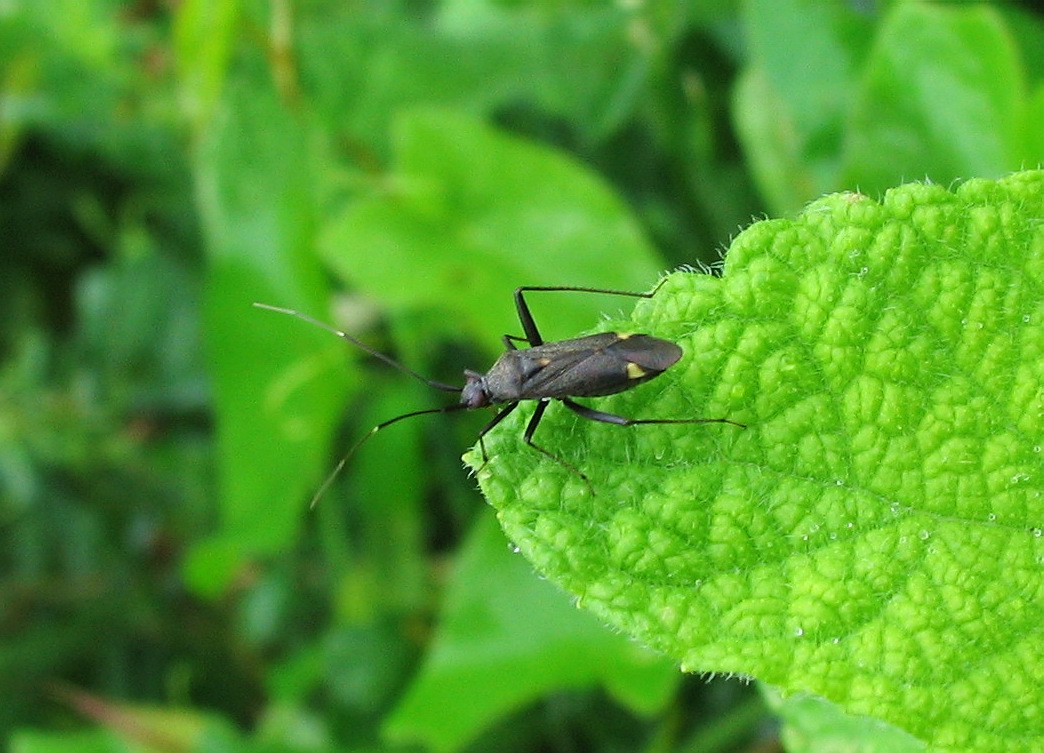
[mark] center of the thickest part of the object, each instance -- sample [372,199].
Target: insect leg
[485,429]
[534,421]
[526,317]
[510,340]
[611,418]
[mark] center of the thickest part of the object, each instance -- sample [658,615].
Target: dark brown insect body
[590,366]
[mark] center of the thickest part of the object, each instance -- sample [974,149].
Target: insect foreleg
[493,422]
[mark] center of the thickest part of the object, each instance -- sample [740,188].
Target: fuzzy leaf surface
[874,536]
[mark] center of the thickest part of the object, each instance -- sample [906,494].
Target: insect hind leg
[611,418]
[534,421]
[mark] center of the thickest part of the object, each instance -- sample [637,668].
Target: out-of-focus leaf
[943,98]
[813,725]
[203,40]
[469,213]
[504,639]
[586,66]
[278,382]
[1035,115]
[792,101]
[89,741]
[388,568]
[150,358]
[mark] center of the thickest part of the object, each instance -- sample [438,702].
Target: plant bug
[589,366]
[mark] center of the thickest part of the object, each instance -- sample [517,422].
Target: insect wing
[595,365]
[650,353]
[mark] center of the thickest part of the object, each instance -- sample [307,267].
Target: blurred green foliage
[396,167]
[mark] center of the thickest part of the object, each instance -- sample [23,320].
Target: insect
[589,366]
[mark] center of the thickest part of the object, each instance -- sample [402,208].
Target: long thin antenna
[363,346]
[348,455]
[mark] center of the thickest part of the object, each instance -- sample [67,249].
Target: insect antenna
[385,359]
[362,346]
[383,424]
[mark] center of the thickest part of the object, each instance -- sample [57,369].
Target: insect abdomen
[595,365]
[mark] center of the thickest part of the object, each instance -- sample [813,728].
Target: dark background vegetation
[399,167]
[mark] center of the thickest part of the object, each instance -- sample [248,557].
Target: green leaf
[88,741]
[470,213]
[875,536]
[382,553]
[939,93]
[579,64]
[278,383]
[506,639]
[811,725]
[1035,116]
[203,40]
[943,97]
[124,727]
[792,101]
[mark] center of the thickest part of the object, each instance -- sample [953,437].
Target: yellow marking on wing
[634,371]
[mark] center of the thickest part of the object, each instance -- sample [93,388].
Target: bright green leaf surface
[500,623]
[874,536]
